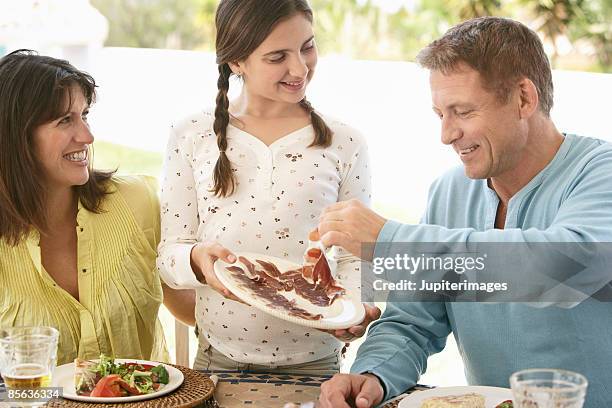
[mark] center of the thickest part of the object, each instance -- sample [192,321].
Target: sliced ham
[313,282]
[270,268]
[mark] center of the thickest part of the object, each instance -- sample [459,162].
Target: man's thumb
[362,401]
[370,393]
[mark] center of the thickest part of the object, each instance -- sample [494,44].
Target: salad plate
[64,376]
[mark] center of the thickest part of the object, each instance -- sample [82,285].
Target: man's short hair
[503,51]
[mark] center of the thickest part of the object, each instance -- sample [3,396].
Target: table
[263,390]
[237,389]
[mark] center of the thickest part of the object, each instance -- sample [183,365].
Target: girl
[254,175]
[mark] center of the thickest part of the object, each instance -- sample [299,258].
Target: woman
[254,175]
[77,245]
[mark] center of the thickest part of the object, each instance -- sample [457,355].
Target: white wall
[142,90]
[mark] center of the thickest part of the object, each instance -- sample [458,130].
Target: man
[522,181]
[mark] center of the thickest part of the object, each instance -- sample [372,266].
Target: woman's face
[62,145]
[283,64]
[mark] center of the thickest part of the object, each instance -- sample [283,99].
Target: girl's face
[283,64]
[62,145]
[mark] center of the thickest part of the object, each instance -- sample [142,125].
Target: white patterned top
[281,191]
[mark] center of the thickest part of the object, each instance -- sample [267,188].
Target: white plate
[345,312]
[493,395]
[63,376]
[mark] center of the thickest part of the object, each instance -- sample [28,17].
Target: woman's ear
[529,99]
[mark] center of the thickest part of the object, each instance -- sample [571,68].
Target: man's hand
[372,313]
[347,390]
[349,224]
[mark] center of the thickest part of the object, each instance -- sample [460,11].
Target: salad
[106,378]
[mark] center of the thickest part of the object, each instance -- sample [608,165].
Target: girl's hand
[203,257]
[357,331]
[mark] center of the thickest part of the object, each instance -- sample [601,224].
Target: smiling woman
[45,89]
[77,246]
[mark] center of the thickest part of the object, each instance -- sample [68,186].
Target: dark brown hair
[503,51]
[242,25]
[35,90]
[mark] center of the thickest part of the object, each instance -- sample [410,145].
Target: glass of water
[548,388]
[28,356]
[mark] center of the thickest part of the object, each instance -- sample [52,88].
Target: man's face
[488,136]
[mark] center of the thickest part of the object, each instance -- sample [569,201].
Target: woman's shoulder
[139,191]
[135,185]
[139,194]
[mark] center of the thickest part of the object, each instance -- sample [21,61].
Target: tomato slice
[113,386]
[108,386]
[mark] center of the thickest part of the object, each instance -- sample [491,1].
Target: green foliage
[184,24]
[346,27]
[360,29]
[554,18]
[128,160]
[594,26]
[478,8]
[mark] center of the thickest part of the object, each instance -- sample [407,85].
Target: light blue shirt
[569,201]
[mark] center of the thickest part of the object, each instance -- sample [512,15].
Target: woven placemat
[196,388]
[392,404]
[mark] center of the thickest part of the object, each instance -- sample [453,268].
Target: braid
[323,134]
[224,181]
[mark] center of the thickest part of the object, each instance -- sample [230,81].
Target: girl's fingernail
[231,258]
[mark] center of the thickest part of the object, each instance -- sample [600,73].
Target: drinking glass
[28,356]
[548,388]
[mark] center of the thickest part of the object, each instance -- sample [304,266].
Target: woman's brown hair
[35,90]
[242,25]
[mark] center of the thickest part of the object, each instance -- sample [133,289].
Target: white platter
[343,313]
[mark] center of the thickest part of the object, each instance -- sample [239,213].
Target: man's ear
[528,98]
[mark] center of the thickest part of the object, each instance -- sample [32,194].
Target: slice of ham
[250,267]
[311,256]
[270,268]
[323,278]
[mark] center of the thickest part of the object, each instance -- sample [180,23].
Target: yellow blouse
[119,288]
